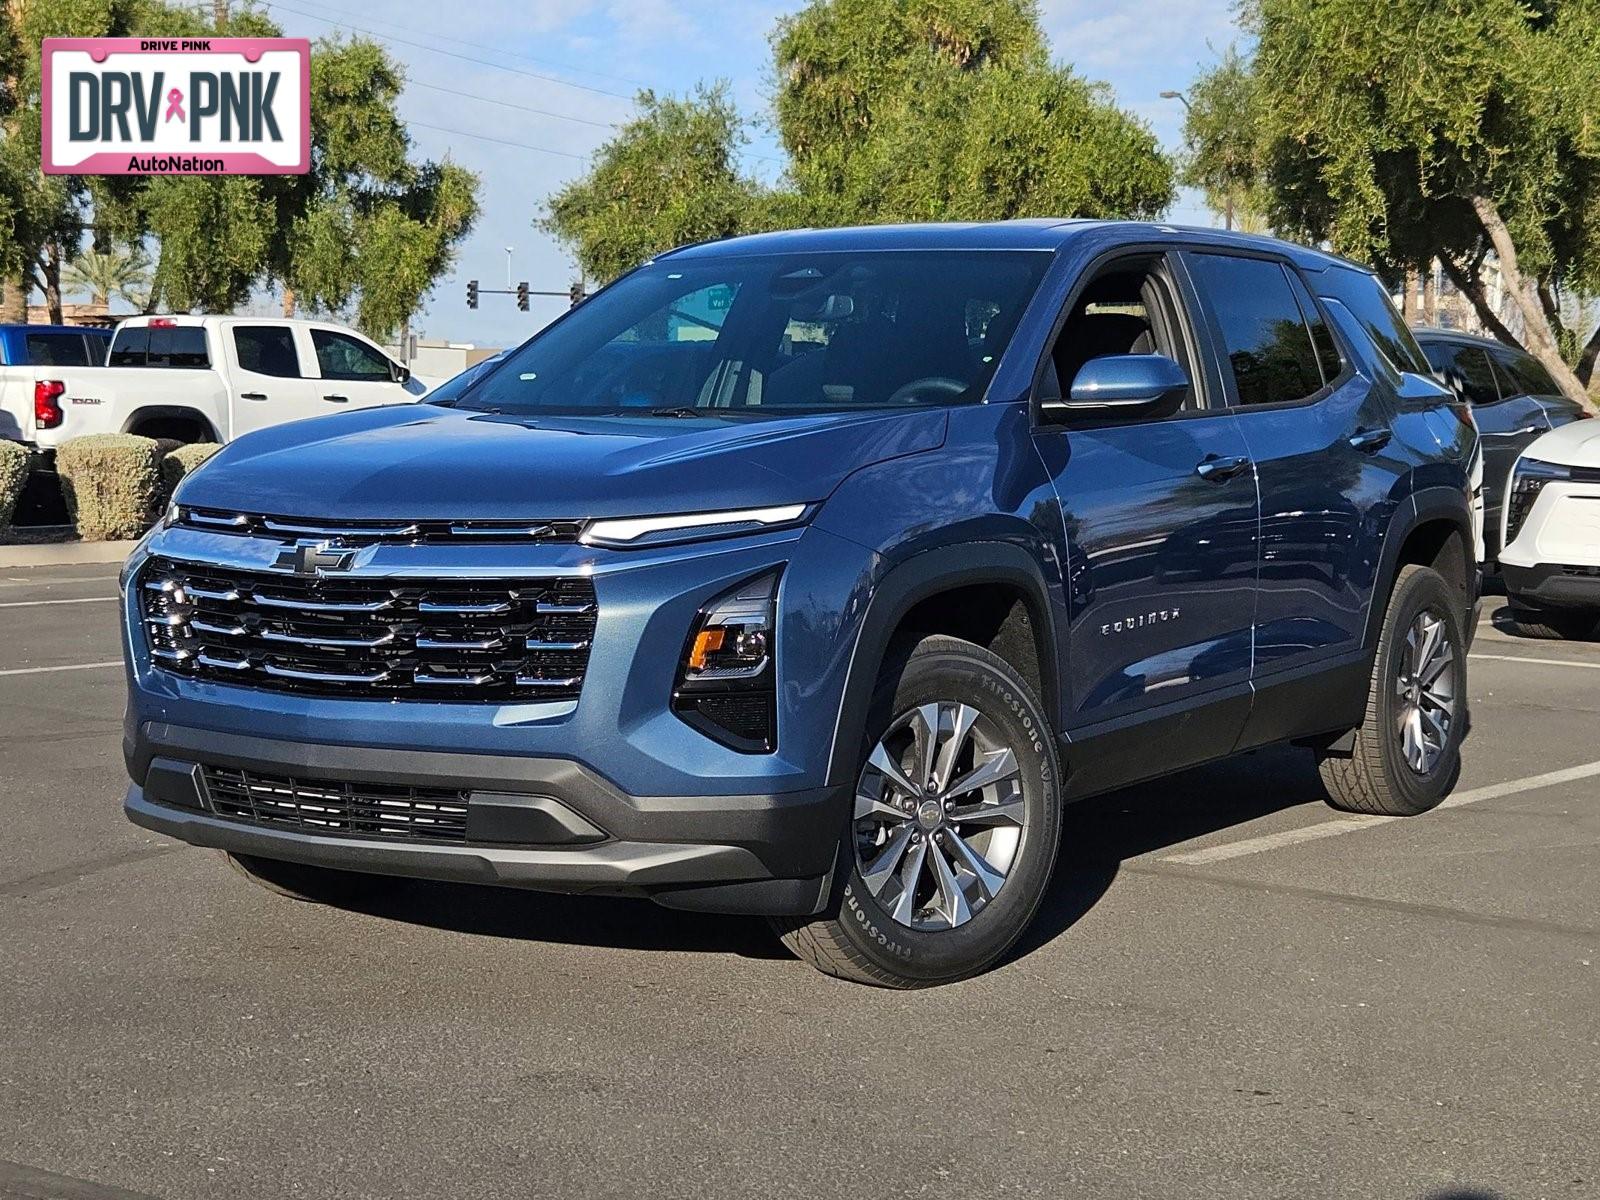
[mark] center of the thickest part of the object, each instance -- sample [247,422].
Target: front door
[355,373]
[1160,524]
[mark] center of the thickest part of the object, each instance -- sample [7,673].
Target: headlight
[628,532]
[726,685]
[1528,478]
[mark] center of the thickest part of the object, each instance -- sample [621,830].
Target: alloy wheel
[1426,689]
[939,816]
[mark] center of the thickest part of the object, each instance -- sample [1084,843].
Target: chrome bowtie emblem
[313,559]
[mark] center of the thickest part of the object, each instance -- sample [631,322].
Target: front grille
[388,639]
[338,809]
[354,534]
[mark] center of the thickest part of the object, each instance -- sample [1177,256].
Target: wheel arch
[1433,530]
[993,593]
[151,413]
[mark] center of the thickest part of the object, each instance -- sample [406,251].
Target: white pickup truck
[202,379]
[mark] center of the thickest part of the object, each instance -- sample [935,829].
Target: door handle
[1370,440]
[338,399]
[252,395]
[1217,469]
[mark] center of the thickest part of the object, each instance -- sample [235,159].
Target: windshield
[774,335]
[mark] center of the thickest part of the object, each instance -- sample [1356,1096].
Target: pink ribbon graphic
[175,106]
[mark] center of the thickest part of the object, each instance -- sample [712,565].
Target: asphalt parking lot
[1233,991]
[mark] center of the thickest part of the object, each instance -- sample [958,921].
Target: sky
[524,93]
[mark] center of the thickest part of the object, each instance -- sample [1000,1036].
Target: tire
[314,885]
[1554,625]
[1380,776]
[874,931]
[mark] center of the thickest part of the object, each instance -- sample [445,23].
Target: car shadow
[1503,623]
[1099,835]
[1103,832]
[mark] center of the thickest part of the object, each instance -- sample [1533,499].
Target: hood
[430,462]
[1576,444]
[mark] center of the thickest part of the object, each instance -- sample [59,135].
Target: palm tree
[114,272]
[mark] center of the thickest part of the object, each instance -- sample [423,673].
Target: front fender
[896,592]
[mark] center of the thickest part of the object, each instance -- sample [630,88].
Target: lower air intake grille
[367,638]
[340,809]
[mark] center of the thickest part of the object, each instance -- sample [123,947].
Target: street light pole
[1227,199]
[509,249]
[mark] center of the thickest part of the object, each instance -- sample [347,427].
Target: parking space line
[37,603]
[110,662]
[1543,662]
[1326,829]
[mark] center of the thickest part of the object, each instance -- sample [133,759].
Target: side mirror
[397,373]
[1122,387]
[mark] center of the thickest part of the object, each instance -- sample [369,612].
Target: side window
[58,350]
[179,346]
[341,356]
[1465,371]
[1369,303]
[96,344]
[1130,308]
[1264,337]
[1527,375]
[131,347]
[267,350]
[1322,342]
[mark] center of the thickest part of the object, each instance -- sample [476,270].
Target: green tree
[1448,130]
[1222,142]
[890,110]
[668,177]
[116,272]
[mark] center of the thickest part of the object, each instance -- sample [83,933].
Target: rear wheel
[300,881]
[954,829]
[1406,755]
[1571,625]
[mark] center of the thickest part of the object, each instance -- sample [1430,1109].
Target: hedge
[178,462]
[111,483]
[13,475]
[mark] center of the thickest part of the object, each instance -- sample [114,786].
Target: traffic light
[575,294]
[522,295]
[472,293]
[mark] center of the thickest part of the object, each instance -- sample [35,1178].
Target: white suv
[1551,533]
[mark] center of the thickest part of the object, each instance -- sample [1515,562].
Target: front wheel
[954,829]
[1406,755]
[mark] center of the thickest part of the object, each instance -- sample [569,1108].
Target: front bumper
[756,854]
[1550,585]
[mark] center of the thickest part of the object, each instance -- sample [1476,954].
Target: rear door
[268,384]
[354,373]
[1507,418]
[1318,432]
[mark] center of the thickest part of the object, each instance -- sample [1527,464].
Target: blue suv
[810,574]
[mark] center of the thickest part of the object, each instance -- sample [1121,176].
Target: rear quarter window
[1367,300]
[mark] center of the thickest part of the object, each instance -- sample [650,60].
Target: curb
[63,554]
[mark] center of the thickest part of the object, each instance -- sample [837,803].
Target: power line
[560,66]
[449,53]
[498,141]
[507,104]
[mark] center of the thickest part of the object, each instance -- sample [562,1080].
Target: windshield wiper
[678,412]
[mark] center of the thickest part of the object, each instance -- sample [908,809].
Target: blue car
[813,574]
